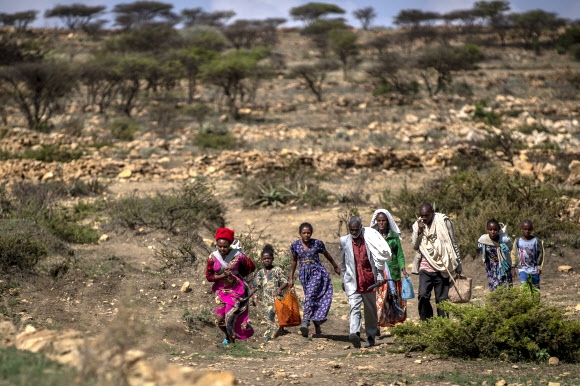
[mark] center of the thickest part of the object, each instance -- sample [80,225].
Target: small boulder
[185,287]
[125,174]
[553,361]
[103,238]
[565,268]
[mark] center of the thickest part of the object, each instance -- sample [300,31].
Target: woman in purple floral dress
[314,277]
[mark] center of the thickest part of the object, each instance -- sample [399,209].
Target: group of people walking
[371,257]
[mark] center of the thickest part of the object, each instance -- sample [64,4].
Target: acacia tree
[468,19]
[344,44]
[319,30]
[419,24]
[532,24]
[494,11]
[197,16]
[101,82]
[38,89]
[75,16]
[386,73]
[315,75]
[18,20]
[311,12]
[365,16]
[132,70]
[444,60]
[141,12]
[193,59]
[229,71]
[251,33]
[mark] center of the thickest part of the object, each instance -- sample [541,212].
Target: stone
[7,334]
[103,238]
[410,118]
[501,382]
[549,169]
[565,268]
[553,383]
[185,287]
[125,174]
[553,361]
[48,176]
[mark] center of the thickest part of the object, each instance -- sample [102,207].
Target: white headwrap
[392,224]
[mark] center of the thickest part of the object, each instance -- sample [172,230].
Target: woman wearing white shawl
[389,296]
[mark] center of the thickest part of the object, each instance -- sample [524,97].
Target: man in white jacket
[364,254]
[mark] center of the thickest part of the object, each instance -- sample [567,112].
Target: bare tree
[315,75]
[365,16]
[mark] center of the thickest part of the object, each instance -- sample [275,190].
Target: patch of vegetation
[191,205]
[215,138]
[203,314]
[471,198]
[485,114]
[45,153]
[26,368]
[471,158]
[124,129]
[24,243]
[529,129]
[181,251]
[510,325]
[291,185]
[62,222]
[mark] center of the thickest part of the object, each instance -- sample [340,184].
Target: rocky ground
[116,293]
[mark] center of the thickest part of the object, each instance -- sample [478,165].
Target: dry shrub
[191,205]
[181,251]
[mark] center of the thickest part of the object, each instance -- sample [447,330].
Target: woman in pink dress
[226,268]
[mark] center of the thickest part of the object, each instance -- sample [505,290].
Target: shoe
[225,342]
[317,329]
[370,342]
[267,339]
[281,331]
[378,331]
[304,331]
[355,340]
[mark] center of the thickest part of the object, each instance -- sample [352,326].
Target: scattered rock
[103,238]
[553,361]
[553,383]
[125,174]
[501,382]
[185,287]
[565,268]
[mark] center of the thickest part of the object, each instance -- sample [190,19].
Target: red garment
[225,233]
[364,272]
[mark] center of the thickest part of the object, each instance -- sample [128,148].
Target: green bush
[124,129]
[45,153]
[19,367]
[510,325]
[488,117]
[283,187]
[192,205]
[215,138]
[471,198]
[575,51]
[62,222]
[19,247]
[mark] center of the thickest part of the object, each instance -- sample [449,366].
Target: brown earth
[118,278]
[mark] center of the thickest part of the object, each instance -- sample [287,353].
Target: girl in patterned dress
[270,282]
[495,247]
[315,279]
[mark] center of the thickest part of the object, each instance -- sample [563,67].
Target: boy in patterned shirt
[528,255]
